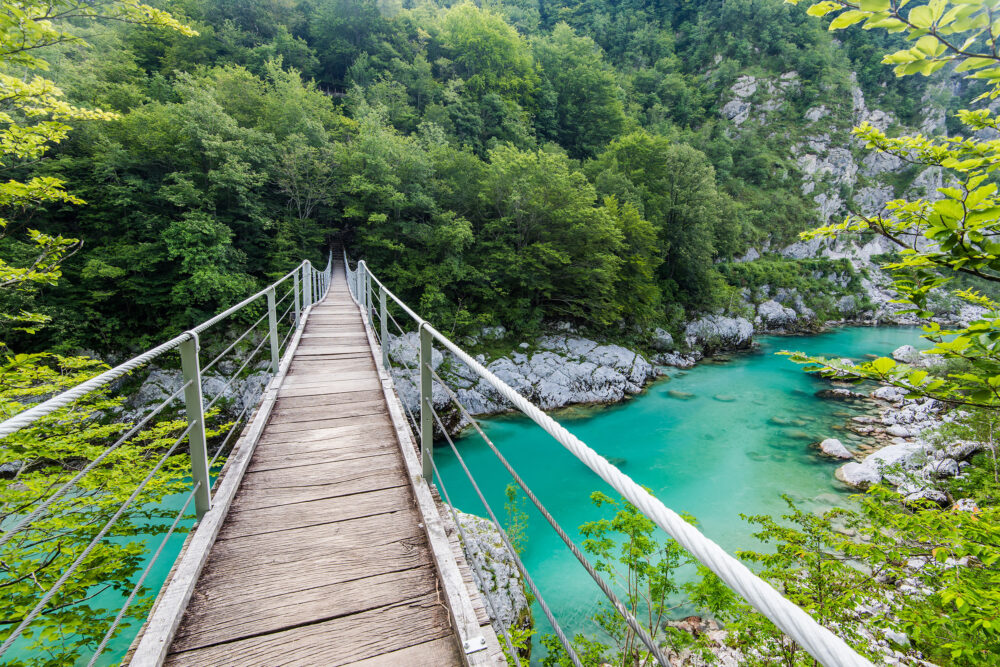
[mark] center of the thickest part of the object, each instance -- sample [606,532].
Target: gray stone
[835,448]
[715,332]
[494,333]
[495,572]
[737,111]
[773,315]
[662,340]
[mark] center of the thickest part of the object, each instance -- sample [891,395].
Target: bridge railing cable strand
[243,362]
[375,300]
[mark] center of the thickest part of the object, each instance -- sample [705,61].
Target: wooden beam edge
[152,644]
[457,595]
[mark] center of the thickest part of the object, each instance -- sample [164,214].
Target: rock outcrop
[564,370]
[715,332]
[497,576]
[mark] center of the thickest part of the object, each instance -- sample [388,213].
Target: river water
[724,438]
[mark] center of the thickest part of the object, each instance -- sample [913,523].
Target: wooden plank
[306,418]
[324,378]
[442,651]
[338,641]
[332,411]
[246,522]
[332,387]
[244,569]
[283,486]
[300,461]
[341,398]
[341,435]
[212,623]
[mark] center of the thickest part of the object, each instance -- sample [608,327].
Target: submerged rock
[682,395]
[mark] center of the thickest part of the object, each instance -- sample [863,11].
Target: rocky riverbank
[498,578]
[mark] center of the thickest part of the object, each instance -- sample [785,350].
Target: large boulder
[773,315]
[717,332]
[835,448]
[496,573]
[662,340]
[873,468]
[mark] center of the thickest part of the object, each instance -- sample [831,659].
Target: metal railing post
[368,297]
[295,296]
[272,326]
[194,409]
[426,403]
[307,299]
[383,330]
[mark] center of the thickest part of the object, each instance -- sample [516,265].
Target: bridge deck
[322,558]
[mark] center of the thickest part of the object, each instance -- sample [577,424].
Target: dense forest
[510,164]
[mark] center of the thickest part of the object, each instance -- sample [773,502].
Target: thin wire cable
[236,375]
[37,512]
[598,579]
[29,416]
[138,584]
[477,571]
[234,344]
[90,547]
[503,536]
[232,429]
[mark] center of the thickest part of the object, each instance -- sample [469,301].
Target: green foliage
[639,564]
[516,525]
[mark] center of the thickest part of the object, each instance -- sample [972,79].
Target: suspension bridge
[323,539]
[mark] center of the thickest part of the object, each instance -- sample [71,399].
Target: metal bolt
[465,644]
[482,640]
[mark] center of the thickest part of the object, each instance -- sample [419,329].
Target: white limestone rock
[835,448]
[773,315]
[872,468]
[715,332]
[496,573]
[662,340]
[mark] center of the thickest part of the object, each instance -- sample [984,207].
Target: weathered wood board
[322,559]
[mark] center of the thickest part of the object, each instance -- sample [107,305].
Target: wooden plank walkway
[322,558]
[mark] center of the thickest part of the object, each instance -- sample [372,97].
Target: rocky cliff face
[834,169]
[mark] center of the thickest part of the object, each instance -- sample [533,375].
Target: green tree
[587,101]
[545,241]
[626,550]
[673,186]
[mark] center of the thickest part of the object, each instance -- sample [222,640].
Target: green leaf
[883,365]
[874,5]
[921,17]
[822,8]
[848,18]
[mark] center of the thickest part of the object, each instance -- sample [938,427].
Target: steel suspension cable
[37,512]
[819,641]
[90,547]
[503,536]
[601,583]
[236,374]
[477,571]
[145,572]
[234,344]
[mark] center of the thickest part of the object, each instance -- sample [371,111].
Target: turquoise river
[722,439]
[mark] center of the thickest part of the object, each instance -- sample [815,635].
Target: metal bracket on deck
[473,644]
